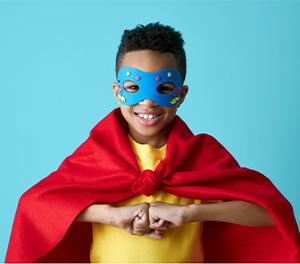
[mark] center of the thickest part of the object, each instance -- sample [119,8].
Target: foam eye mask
[164,87]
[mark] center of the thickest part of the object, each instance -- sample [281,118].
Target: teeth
[147,117]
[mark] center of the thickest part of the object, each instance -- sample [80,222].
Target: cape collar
[179,143]
[179,136]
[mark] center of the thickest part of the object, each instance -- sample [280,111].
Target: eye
[165,88]
[131,87]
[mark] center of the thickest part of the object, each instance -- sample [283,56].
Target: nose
[148,102]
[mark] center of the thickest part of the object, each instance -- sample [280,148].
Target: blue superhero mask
[148,86]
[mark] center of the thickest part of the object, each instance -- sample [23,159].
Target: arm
[97,213]
[236,212]
[163,215]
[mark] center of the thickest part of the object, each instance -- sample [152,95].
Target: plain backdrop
[57,63]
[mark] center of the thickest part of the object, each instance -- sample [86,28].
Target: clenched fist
[134,219]
[163,215]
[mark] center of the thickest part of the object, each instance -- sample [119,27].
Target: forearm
[97,213]
[237,212]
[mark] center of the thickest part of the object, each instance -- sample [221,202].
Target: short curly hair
[153,36]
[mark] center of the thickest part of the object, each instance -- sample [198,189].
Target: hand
[141,228]
[134,219]
[163,215]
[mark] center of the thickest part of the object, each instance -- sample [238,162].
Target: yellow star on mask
[175,100]
[121,97]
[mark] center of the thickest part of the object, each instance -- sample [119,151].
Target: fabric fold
[103,169]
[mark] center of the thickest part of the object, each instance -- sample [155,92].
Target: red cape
[104,170]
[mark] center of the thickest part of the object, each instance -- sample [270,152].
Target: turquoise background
[57,65]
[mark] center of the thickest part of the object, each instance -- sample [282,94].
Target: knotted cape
[104,169]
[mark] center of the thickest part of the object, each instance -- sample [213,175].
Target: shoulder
[214,148]
[209,140]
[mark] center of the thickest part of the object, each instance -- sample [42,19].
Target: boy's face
[141,129]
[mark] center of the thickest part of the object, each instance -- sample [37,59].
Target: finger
[143,215]
[158,224]
[153,217]
[140,224]
[161,225]
[160,232]
[141,231]
[128,229]
[162,228]
[154,235]
[142,220]
[140,227]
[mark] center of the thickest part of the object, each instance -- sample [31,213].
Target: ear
[185,90]
[115,89]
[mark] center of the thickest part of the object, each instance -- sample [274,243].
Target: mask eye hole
[131,87]
[165,88]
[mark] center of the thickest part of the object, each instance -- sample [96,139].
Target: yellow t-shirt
[180,244]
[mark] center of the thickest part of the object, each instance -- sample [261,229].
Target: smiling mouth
[148,116]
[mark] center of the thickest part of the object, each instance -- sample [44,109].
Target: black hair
[153,36]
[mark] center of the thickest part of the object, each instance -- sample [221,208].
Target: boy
[179,197]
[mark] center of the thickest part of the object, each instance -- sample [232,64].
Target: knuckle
[137,232]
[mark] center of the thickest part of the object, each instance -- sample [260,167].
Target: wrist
[192,213]
[105,214]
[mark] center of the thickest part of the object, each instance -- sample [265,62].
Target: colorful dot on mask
[169,74]
[175,100]
[120,89]
[176,92]
[128,73]
[157,78]
[138,78]
[121,98]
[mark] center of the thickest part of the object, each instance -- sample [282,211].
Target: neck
[156,141]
